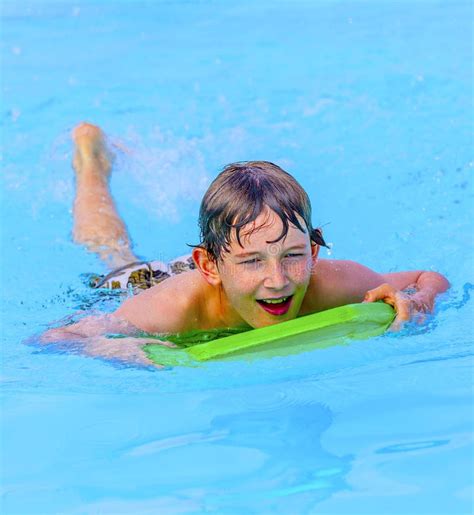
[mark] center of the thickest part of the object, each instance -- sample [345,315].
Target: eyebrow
[301,246]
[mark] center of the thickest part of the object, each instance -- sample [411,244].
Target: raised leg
[97,224]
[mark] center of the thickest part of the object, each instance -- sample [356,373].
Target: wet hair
[240,193]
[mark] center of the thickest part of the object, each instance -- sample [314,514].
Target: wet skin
[229,293]
[267,270]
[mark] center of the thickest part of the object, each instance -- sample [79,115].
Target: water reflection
[411,446]
[297,472]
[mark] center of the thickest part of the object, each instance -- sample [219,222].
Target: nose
[275,277]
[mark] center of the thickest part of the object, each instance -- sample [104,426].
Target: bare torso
[186,302]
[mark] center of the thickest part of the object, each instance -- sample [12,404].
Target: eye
[253,261]
[294,255]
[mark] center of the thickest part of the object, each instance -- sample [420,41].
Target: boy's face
[265,283]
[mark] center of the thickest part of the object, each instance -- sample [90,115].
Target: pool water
[369,105]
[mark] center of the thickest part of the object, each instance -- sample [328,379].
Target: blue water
[369,105]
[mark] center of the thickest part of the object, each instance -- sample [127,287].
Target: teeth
[275,301]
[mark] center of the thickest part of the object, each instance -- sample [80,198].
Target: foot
[90,153]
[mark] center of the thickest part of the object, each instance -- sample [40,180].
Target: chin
[272,321]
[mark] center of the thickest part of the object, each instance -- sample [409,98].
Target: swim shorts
[142,275]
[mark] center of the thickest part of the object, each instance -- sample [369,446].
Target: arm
[336,283]
[90,327]
[90,334]
[427,285]
[162,309]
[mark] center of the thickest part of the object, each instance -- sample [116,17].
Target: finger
[388,299]
[420,318]
[145,360]
[132,352]
[372,295]
[159,342]
[52,335]
[403,309]
[396,325]
[383,292]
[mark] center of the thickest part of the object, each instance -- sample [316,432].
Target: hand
[57,334]
[127,350]
[408,307]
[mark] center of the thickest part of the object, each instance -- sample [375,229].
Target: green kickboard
[317,331]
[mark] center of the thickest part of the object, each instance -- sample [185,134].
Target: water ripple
[411,446]
[175,441]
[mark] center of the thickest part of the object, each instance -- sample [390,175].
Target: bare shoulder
[168,307]
[338,282]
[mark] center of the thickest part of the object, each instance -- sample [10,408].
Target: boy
[257,263]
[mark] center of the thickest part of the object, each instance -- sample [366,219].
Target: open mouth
[278,306]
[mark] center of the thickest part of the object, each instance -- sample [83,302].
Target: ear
[206,266]
[314,251]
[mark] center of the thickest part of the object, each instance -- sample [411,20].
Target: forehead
[267,227]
